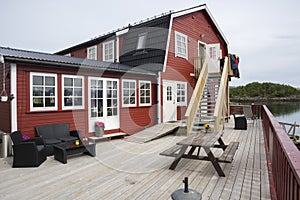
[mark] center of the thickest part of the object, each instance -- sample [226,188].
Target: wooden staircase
[206,109]
[210,100]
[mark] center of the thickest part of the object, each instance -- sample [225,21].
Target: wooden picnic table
[207,141]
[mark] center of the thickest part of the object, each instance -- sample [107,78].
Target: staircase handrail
[221,102]
[196,97]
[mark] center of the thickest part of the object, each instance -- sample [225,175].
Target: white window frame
[112,42]
[92,56]
[181,103]
[142,38]
[55,107]
[73,107]
[150,96]
[178,52]
[130,90]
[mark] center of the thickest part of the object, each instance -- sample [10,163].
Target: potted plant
[99,129]
[5,97]
[207,127]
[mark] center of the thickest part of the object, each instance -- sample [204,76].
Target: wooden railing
[238,109]
[283,159]
[222,100]
[196,97]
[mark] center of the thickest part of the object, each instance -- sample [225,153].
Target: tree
[266,90]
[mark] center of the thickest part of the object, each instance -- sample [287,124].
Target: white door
[201,52]
[103,103]
[169,101]
[213,54]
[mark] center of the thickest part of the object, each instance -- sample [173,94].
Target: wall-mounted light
[1,59]
[202,35]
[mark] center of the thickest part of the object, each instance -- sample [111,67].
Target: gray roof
[24,56]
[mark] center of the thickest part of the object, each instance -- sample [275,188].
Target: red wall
[134,119]
[27,120]
[179,69]
[80,53]
[131,119]
[5,124]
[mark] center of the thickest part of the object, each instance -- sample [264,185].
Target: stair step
[206,118]
[205,109]
[206,100]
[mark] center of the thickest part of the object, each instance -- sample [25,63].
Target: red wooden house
[131,78]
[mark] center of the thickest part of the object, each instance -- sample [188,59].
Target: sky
[264,33]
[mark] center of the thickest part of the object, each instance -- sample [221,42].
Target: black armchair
[27,153]
[240,122]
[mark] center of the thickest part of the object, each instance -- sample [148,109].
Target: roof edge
[199,8]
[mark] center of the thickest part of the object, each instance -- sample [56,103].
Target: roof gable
[202,7]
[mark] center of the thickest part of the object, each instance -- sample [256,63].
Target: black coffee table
[63,150]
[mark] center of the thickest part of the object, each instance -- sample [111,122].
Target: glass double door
[103,103]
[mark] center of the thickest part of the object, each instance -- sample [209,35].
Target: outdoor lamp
[1,59]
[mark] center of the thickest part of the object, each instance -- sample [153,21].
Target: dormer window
[108,51]
[92,52]
[141,44]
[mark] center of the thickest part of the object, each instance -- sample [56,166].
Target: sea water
[288,112]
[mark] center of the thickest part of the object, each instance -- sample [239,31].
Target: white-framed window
[43,91]
[181,45]
[145,93]
[141,44]
[181,93]
[72,92]
[92,52]
[128,93]
[108,51]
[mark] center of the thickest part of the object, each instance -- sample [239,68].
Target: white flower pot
[4,98]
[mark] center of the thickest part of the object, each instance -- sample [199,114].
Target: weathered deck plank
[125,170]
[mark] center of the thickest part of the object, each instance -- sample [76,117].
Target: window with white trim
[92,52]
[108,51]
[141,44]
[181,94]
[129,93]
[145,93]
[72,93]
[43,92]
[181,47]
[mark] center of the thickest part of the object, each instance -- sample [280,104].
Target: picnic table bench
[207,141]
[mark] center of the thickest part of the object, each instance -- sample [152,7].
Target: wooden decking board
[219,186]
[166,189]
[246,189]
[232,177]
[237,187]
[126,170]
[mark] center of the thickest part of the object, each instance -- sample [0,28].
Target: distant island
[259,92]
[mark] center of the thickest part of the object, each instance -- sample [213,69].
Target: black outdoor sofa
[27,153]
[56,133]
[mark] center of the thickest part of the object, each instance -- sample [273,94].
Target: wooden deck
[126,170]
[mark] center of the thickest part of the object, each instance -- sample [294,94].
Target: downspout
[159,80]
[117,49]
[13,103]
[121,32]
[159,98]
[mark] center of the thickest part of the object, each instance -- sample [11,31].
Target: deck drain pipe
[186,193]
